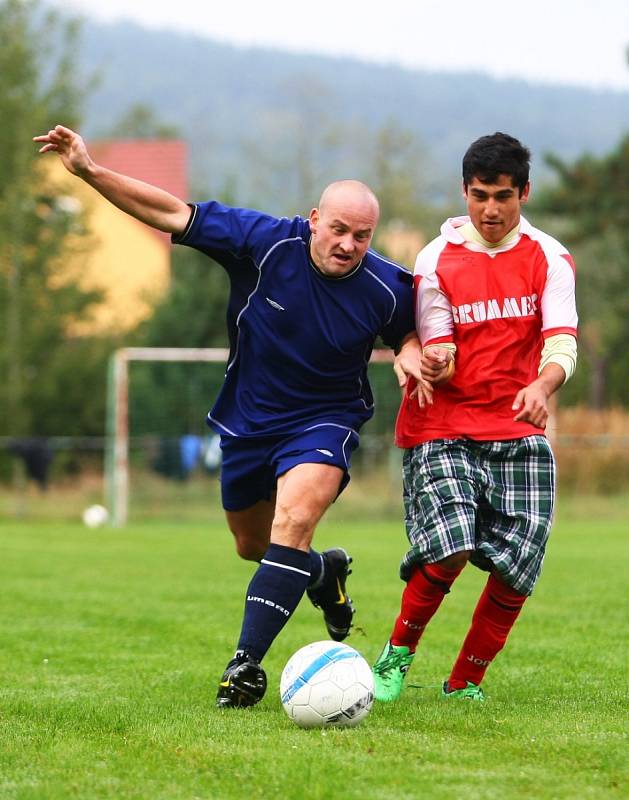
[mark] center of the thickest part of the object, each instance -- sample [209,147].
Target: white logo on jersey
[483,310]
[274,304]
[325,452]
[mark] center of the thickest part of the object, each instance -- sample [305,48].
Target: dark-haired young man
[308,299]
[496,321]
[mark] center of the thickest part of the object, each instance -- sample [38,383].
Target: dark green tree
[41,364]
[193,312]
[587,208]
[397,162]
[173,398]
[411,200]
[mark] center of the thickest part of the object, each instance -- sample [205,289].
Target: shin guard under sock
[425,590]
[495,614]
[273,594]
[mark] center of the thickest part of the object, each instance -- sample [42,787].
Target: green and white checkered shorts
[494,498]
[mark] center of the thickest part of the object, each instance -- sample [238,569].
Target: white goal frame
[117,432]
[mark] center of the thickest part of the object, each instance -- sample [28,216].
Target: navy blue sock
[273,594]
[316,568]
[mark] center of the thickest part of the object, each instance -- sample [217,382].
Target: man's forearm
[550,378]
[145,202]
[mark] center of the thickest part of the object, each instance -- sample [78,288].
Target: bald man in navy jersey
[308,299]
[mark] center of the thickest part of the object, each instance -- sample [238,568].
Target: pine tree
[40,363]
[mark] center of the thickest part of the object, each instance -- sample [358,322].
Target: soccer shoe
[330,596]
[243,683]
[471,692]
[390,670]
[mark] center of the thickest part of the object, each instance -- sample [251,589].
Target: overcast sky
[578,42]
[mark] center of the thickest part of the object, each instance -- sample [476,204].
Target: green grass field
[112,641]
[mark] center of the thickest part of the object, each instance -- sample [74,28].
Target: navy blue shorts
[251,466]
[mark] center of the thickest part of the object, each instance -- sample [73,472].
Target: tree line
[52,381]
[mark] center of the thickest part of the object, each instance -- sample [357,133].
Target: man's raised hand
[69,146]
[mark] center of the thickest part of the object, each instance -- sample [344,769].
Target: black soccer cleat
[330,595]
[243,682]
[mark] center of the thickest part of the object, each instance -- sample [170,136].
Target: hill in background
[272,127]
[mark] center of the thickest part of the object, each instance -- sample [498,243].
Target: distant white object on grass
[95,516]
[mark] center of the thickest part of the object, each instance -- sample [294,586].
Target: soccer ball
[327,684]
[95,516]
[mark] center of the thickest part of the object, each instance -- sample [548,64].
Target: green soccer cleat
[471,692]
[390,670]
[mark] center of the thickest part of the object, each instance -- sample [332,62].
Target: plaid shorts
[493,498]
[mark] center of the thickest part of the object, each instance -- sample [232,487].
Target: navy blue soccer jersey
[300,342]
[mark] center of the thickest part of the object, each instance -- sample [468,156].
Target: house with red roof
[127,260]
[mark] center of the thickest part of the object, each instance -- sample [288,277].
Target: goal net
[163,461]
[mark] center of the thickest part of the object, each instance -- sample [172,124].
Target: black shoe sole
[338,634]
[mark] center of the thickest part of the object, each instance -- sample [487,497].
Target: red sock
[494,616]
[422,596]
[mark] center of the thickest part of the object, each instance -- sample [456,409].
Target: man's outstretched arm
[149,204]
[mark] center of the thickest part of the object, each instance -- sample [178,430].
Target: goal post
[117,467]
[117,423]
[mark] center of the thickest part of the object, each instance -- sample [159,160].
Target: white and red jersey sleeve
[558,302]
[433,310]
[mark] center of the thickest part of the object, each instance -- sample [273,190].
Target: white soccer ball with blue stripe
[327,684]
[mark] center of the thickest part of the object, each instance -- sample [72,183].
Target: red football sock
[422,596]
[494,616]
